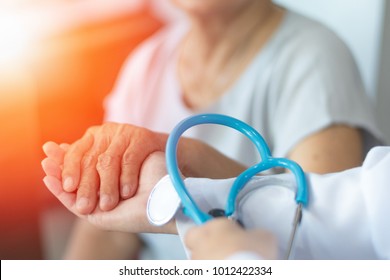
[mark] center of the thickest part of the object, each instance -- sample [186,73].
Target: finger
[211,229]
[108,166]
[55,187]
[64,146]
[141,146]
[266,243]
[130,169]
[193,237]
[51,168]
[142,143]
[128,216]
[153,169]
[54,151]
[72,162]
[87,193]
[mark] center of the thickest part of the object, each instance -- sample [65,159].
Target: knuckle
[128,158]
[101,144]
[105,161]
[88,161]
[73,148]
[146,134]
[92,129]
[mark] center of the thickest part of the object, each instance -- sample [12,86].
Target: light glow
[15,39]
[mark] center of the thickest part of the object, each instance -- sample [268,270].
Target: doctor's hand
[104,165]
[221,238]
[130,214]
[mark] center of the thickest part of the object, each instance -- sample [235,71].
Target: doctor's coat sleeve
[347,216]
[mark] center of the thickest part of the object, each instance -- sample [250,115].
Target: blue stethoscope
[267,162]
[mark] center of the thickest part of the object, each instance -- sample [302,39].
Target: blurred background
[60,58]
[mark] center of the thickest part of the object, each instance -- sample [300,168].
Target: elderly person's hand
[130,214]
[104,164]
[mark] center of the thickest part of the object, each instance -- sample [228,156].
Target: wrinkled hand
[103,166]
[130,214]
[220,238]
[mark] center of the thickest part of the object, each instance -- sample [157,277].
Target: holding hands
[130,214]
[104,165]
[105,161]
[111,161]
[95,177]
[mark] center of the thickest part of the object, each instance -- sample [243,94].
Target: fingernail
[82,203]
[105,200]
[68,184]
[125,190]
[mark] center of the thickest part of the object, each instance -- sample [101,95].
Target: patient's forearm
[197,159]
[89,242]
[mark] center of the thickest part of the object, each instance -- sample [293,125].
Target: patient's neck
[217,50]
[226,34]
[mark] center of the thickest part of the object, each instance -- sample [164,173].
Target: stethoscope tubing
[190,208]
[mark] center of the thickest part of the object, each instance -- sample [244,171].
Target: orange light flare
[16,38]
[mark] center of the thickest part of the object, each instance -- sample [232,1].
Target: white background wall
[357,22]
[383,93]
[365,26]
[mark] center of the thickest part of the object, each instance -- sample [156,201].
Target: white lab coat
[347,217]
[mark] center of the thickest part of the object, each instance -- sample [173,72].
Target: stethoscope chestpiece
[163,202]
